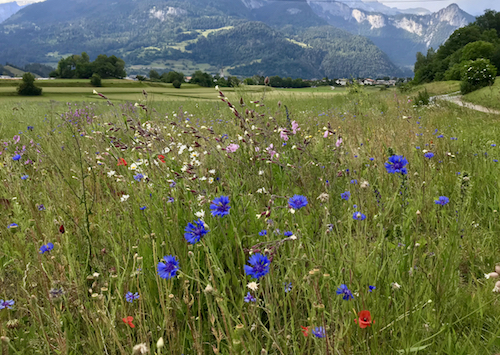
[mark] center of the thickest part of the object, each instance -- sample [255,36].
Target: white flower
[212,171]
[261,172]
[203,178]
[140,349]
[210,180]
[133,166]
[364,184]
[200,214]
[395,286]
[253,286]
[111,173]
[323,197]
[291,210]
[124,198]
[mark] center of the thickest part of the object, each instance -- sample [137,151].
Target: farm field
[200,222]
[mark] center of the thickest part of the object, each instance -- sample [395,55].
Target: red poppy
[121,161]
[161,158]
[305,331]
[61,229]
[128,320]
[364,320]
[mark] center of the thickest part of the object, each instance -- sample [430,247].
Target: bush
[177,84]
[95,80]
[27,86]
[422,98]
[477,74]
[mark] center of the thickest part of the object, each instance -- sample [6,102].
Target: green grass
[71,300]
[439,87]
[487,97]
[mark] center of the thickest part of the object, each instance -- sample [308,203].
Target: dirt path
[457,99]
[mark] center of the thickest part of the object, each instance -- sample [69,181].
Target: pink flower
[16,138]
[295,127]
[270,150]
[283,135]
[326,135]
[257,149]
[339,142]
[231,148]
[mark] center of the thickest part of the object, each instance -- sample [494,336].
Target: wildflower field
[315,224]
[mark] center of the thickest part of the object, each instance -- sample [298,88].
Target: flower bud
[160,343]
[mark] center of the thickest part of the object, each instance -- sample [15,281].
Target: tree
[27,86]
[95,80]
[172,76]
[478,49]
[153,75]
[202,79]
[177,84]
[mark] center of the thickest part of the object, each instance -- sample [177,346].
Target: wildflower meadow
[254,223]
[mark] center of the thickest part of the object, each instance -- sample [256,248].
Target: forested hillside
[214,35]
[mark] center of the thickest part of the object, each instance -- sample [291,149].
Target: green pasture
[488,96]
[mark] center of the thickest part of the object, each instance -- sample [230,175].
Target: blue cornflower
[345,292]
[13,225]
[168,268]
[260,266]
[372,159]
[30,128]
[41,207]
[441,136]
[288,234]
[358,216]
[396,164]
[170,200]
[297,201]
[417,147]
[495,160]
[354,181]
[429,155]
[345,196]
[220,206]
[46,248]
[288,287]
[6,304]
[173,183]
[143,208]
[25,177]
[249,298]
[16,157]
[138,177]
[493,145]
[371,288]
[319,332]
[442,200]
[130,297]
[263,233]
[194,231]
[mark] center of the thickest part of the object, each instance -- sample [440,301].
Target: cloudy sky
[474,7]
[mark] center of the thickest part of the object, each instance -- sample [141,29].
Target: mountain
[401,36]
[244,37]
[8,9]
[375,6]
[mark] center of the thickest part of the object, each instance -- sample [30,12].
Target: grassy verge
[487,97]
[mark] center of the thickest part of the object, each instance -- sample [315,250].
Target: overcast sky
[474,7]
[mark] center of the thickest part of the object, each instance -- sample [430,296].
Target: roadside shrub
[477,74]
[95,80]
[27,86]
[455,72]
[422,98]
[177,84]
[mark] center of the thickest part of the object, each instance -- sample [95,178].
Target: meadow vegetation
[261,222]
